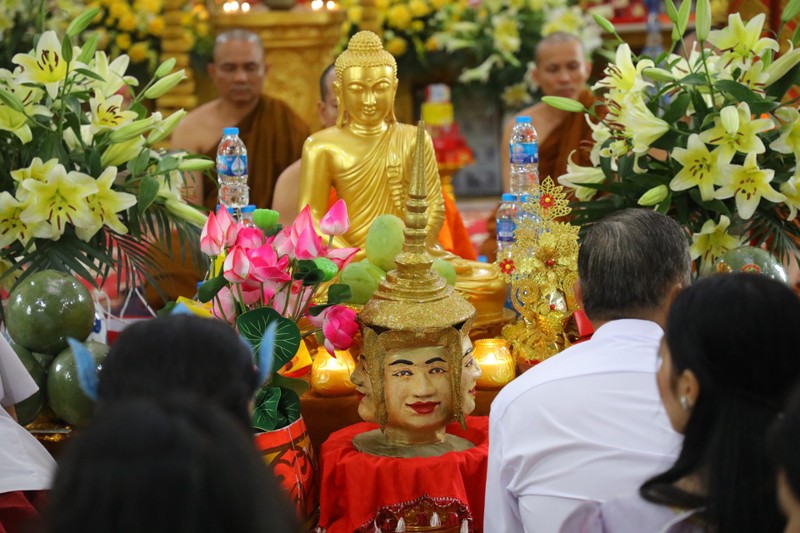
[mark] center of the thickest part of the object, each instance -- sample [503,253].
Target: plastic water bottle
[524,156]
[232,170]
[506,222]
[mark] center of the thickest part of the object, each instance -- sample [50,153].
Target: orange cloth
[453,236]
[358,485]
[274,137]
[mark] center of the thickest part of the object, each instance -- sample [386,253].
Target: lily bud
[778,68]
[120,153]
[189,165]
[654,196]
[165,85]
[564,104]
[729,117]
[163,129]
[132,130]
[703,19]
[659,74]
[165,68]
[186,212]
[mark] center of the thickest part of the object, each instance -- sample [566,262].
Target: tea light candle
[331,376]
[497,365]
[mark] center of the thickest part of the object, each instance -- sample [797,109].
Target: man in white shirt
[25,466]
[588,423]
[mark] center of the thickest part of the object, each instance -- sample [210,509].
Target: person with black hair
[728,362]
[181,353]
[176,464]
[783,445]
[587,424]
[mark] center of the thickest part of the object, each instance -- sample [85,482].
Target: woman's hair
[172,465]
[736,333]
[180,354]
[784,443]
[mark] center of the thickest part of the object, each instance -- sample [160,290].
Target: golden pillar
[176,43]
[298,45]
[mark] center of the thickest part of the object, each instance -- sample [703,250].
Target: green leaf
[315,310]
[253,324]
[796,36]
[695,78]
[339,293]
[88,49]
[66,49]
[298,386]
[677,108]
[288,407]
[167,164]
[138,164]
[89,74]
[739,92]
[147,193]
[81,22]
[210,288]
[265,412]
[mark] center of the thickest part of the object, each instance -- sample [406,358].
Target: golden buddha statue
[368,156]
[417,368]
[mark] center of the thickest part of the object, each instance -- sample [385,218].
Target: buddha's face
[360,378]
[367,94]
[417,389]
[470,372]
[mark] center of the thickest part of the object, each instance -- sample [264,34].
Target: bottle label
[524,153]
[232,165]
[505,231]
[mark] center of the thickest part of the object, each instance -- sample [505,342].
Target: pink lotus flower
[223,305]
[212,238]
[254,292]
[301,223]
[282,243]
[339,326]
[237,266]
[228,226]
[341,257]
[265,265]
[335,221]
[308,244]
[250,238]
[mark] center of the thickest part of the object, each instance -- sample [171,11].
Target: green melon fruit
[28,409]
[446,270]
[384,241]
[63,391]
[363,278]
[47,307]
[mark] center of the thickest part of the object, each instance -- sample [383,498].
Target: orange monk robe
[553,156]
[453,236]
[274,137]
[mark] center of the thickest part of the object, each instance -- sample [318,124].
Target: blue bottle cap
[230,131]
[508,197]
[524,119]
[249,209]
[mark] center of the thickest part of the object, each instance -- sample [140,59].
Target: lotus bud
[654,196]
[163,129]
[729,117]
[132,130]
[165,85]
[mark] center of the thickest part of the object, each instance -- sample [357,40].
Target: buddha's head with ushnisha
[416,339]
[366,81]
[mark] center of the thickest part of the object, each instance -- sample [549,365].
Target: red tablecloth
[355,485]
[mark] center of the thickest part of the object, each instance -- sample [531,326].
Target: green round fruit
[47,307]
[446,270]
[28,409]
[363,278]
[752,260]
[63,391]
[384,241]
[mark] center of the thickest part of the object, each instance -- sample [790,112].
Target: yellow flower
[439,4]
[506,35]
[431,45]
[399,16]
[567,20]
[138,52]
[113,74]
[622,75]
[789,141]
[739,42]
[127,22]
[59,200]
[38,171]
[104,205]
[123,41]
[119,8]
[156,26]
[713,240]
[202,29]
[701,168]
[748,184]
[641,126]
[744,139]
[577,175]
[417,26]
[381,5]
[516,95]
[419,8]
[791,190]
[354,14]
[108,114]
[149,6]
[397,46]
[12,228]
[47,66]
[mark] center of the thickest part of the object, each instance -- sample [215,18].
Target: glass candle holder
[497,364]
[330,376]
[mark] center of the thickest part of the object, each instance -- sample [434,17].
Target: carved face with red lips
[418,391]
